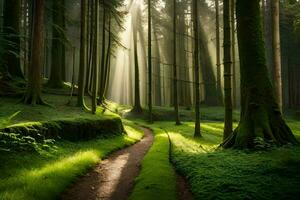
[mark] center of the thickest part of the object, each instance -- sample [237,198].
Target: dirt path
[184,192]
[113,178]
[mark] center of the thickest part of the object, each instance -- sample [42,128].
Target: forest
[149,99]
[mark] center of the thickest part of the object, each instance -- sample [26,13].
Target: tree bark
[260,113]
[137,108]
[277,52]
[33,93]
[197,132]
[83,54]
[149,62]
[95,56]
[218,52]
[227,70]
[175,76]
[233,41]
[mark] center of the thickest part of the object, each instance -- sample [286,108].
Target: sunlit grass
[157,179]
[227,174]
[32,176]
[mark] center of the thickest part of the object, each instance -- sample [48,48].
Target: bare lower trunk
[260,114]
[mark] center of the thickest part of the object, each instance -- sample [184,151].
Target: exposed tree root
[33,99]
[270,127]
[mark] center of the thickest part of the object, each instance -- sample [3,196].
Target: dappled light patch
[45,176]
[231,174]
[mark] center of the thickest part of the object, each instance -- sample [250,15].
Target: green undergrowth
[32,128]
[167,113]
[231,174]
[30,176]
[157,178]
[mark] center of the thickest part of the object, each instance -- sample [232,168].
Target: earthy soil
[113,178]
[183,189]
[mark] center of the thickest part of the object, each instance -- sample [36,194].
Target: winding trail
[113,178]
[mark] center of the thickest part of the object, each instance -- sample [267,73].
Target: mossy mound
[69,129]
[32,136]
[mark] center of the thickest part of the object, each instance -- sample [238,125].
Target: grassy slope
[45,176]
[157,179]
[233,174]
[61,110]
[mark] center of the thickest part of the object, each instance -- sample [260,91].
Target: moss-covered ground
[229,174]
[46,174]
[157,179]
[271,173]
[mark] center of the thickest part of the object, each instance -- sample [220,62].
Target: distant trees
[11,27]
[261,118]
[58,45]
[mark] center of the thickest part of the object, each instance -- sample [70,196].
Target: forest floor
[113,178]
[210,173]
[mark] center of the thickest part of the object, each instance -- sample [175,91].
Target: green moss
[228,174]
[46,175]
[157,178]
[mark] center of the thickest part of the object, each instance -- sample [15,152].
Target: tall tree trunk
[11,26]
[268,35]
[149,62]
[277,52]
[108,54]
[33,93]
[260,114]
[197,132]
[175,76]
[103,71]
[234,85]
[56,80]
[227,70]
[83,54]
[95,56]
[218,51]
[137,108]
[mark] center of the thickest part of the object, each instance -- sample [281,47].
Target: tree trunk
[103,71]
[56,79]
[197,132]
[149,62]
[95,56]
[137,108]
[260,113]
[227,70]
[33,93]
[277,52]
[234,85]
[218,52]
[11,26]
[175,76]
[83,54]
[108,54]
